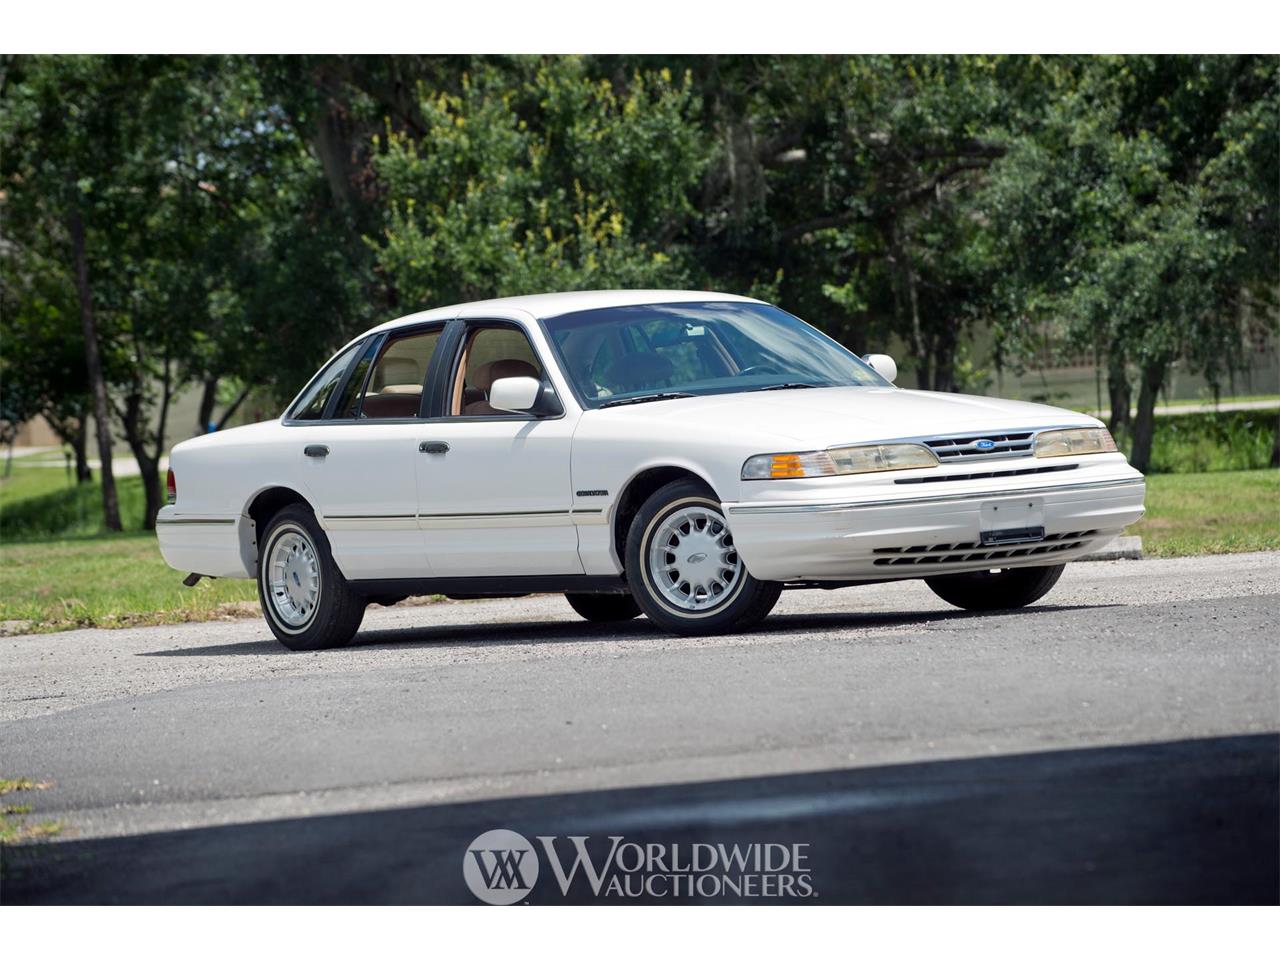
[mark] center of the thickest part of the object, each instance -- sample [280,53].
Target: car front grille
[966,448]
[940,554]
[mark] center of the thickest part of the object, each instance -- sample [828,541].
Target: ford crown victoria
[681,455]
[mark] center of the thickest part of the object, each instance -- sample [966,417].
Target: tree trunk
[149,470]
[331,136]
[79,445]
[97,381]
[1119,391]
[235,405]
[944,360]
[73,432]
[208,399]
[148,465]
[136,433]
[1144,423]
[907,302]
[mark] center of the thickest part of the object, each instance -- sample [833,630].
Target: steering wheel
[759,368]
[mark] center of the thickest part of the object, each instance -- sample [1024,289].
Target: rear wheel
[603,607]
[305,599]
[684,570]
[1001,590]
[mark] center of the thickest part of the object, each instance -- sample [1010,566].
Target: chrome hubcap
[294,578]
[693,561]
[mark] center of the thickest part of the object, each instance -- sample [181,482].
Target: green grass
[19,783]
[1210,442]
[111,581]
[37,503]
[1227,512]
[14,828]
[59,569]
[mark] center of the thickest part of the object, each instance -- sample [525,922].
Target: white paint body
[521,497]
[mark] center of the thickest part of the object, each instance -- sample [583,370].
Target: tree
[58,140]
[538,177]
[841,186]
[1142,217]
[42,362]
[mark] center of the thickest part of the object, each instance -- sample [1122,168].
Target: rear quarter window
[312,403]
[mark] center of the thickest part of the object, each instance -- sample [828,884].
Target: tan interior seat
[481,380]
[396,390]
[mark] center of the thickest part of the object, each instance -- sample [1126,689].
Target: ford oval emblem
[985,444]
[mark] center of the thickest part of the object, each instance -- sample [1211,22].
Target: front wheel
[684,570]
[305,599]
[999,590]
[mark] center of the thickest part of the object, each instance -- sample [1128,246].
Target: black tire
[336,614]
[745,602]
[603,607]
[1006,590]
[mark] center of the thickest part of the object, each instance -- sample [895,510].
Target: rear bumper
[215,546]
[927,535]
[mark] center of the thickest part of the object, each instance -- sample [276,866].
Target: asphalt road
[220,767]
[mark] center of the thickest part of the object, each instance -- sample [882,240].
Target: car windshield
[674,349]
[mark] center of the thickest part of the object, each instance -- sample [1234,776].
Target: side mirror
[514,394]
[517,395]
[883,365]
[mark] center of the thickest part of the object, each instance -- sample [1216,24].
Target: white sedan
[682,455]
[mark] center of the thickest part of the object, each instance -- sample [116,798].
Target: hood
[826,416]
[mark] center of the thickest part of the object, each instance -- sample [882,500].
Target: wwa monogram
[501,867]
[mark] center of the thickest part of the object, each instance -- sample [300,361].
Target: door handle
[433,446]
[316,450]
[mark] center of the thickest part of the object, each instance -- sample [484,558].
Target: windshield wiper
[623,401]
[788,386]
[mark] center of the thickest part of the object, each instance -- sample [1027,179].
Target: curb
[1121,548]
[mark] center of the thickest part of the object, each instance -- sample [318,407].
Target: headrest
[484,375]
[398,370]
[639,370]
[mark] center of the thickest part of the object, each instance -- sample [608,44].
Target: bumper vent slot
[989,474]
[941,554]
[982,445]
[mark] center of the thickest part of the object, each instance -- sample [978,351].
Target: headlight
[868,458]
[1069,443]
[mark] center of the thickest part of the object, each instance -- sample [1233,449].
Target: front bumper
[928,535]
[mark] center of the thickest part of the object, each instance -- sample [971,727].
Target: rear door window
[393,388]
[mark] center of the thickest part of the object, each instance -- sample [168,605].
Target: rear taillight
[172,485]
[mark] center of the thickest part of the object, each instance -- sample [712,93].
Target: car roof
[540,306]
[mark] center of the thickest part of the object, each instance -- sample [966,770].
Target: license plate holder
[1012,521]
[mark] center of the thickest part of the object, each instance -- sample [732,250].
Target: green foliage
[1139,217]
[1210,442]
[557,181]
